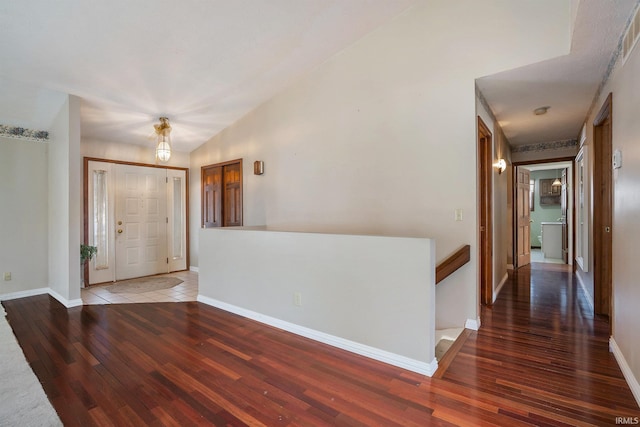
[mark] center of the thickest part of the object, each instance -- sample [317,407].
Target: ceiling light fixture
[541,110]
[557,182]
[163,149]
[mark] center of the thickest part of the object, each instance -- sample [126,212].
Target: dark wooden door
[222,194]
[485,220]
[232,205]
[602,210]
[212,196]
[563,217]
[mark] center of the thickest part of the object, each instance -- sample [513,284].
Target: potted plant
[87,252]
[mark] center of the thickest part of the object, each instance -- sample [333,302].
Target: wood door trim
[85,196]
[485,214]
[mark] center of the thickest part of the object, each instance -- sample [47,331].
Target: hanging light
[557,182]
[163,149]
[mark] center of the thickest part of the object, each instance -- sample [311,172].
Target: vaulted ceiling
[205,64]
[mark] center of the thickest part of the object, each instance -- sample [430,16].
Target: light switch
[458,214]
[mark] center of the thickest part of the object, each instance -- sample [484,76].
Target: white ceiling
[567,84]
[203,64]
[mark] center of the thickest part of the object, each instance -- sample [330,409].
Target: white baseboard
[67,303]
[424,368]
[472,324]
[586,293]
[23,294]
[626,370]
[500,285]
[194,269]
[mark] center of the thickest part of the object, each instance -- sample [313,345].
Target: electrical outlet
[7,276]
[297,299]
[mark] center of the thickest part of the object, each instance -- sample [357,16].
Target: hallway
[541,356]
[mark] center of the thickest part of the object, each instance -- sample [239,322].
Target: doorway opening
[544,212]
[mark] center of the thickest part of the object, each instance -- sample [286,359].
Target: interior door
[523,217]
[232,209]
[212,196]
[563,217]
[141,221]
[603,210]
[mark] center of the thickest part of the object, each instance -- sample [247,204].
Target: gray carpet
[144,284]
[22,399]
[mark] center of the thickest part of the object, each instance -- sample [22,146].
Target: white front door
[137,219]
[141,221]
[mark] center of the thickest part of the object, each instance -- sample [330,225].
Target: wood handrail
[452,263]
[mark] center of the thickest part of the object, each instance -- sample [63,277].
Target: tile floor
[537,256]
[185,291]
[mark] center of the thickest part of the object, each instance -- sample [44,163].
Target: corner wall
[380,139]
[65,208]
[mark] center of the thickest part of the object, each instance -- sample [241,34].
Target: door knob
[119,222]
[119,230]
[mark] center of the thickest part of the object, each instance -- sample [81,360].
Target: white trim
[424,368]
[23,294]
[67,303]
[626,370]
[499,287]
[472,324]
[586,293]
[194,269]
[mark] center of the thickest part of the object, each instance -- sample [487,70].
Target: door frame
[602,191]
[514,230]
[85,194]
[485,211]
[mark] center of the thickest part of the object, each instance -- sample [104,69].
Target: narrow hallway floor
[541,355]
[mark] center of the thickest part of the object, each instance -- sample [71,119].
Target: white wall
[381,138]
[64,201]
[23,215]
[369,293]
[625,86]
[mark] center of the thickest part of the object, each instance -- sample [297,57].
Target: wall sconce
[500,165]
[258,167]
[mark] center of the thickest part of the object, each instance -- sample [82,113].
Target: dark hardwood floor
[540,358]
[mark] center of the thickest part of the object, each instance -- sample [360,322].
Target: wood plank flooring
[540,358]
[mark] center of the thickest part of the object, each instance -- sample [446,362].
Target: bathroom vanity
[552,239]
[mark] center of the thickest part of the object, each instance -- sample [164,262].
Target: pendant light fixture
[163,148]
[556,182]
